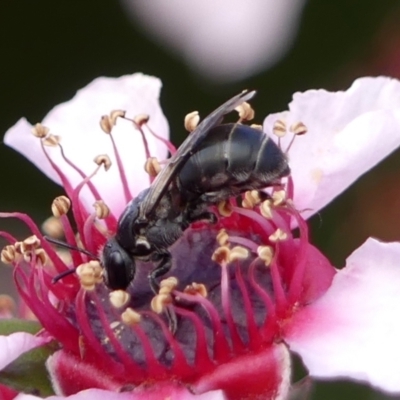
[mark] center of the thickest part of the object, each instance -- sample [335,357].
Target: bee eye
[119,267]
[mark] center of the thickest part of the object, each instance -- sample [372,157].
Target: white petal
[353,330]
[224,40]
[348,133]
[12,346]
[77,122]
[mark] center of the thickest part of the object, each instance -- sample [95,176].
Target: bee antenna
[66,245]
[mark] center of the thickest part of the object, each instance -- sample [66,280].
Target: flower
[242,292]
[223,41]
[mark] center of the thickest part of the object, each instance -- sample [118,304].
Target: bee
[215,162]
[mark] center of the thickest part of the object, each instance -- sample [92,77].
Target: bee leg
[162,268]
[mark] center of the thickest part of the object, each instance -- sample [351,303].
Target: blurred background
[203,54]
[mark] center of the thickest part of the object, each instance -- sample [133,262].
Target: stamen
[279,128]
[40,131]
[9,255]
[103,159]
[106,124]
[238,253]
[278,236]
[225,208]
[221,255]
[115,114]
[254,335]
[222,237]
[298,129]
[160,302]
[53,227]
[251,199]
[101,209]
[196,288]
[266,209]
[266,253]
[191,121]
[221,348]
[279,197]
[152,167]
[119,298]
[245,111]
[130,317]
[237,343]
[202,360]
[141,119]
[60,206]
[171,148]
[51,140]
[257,127]
[244,242]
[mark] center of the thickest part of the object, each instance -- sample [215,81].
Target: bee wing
[176,162]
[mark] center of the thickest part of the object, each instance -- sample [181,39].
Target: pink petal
[77,122]
[224,40]
[353,330]
[12,346]
[98,394]
[348,133]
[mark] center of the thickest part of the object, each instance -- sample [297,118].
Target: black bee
[215,162]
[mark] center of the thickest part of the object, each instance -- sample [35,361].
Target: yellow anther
[279,129]
[30,243]
[221,255]
[40,131]
[251,199]
[278,197]
[106,124]
[222,237]
[115,114]
[97,270]
[53,227]
[87,276]
[238,253]
[152,166]
[42,256]
[52,140]
[191,121]
[266,209]
[9,254]
[119,298]
[258,127]
[298,129]
[196,288]
[130,317]
[168,285]
[278,236]
[60,206]
[141,119]
[225,208]
[160,302]
[246,112]
[101,209]
[266,253]
[103,159]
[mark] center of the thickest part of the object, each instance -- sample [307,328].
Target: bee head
[119,266]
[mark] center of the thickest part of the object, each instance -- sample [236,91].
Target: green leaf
[28,372]
[8,326]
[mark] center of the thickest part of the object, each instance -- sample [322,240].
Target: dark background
[50,49]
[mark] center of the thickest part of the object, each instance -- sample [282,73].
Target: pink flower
[222,41]
[248,288]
